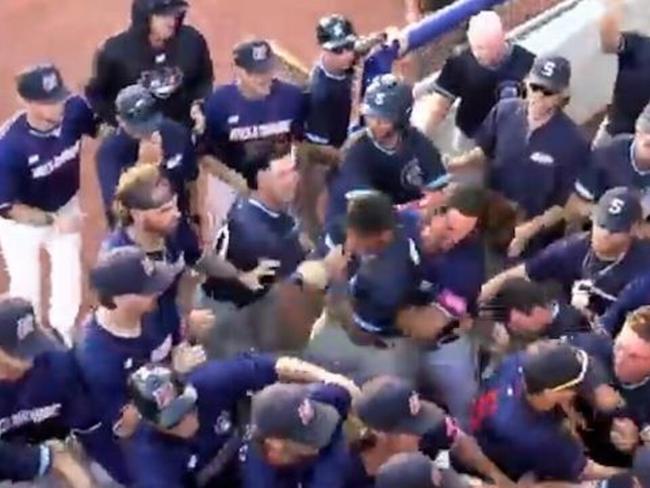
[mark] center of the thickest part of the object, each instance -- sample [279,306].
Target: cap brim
[261,67]
[161,279]
[147,127]
[319,432]
[428,418]
[59,96]
[346,41]
[601,220]
[545,82]
[37,343]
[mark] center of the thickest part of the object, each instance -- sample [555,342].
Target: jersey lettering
[261,131]
[31,416]
[49,167]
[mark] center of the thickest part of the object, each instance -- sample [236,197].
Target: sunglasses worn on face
[342,49]
[533,87]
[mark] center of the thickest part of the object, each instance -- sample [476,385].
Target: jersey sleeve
[109,168]
[101,90]
[559,457]
[569,173]
[202,85]
[9,176]
[633,296]
[215,130]
[431,161]
[486,135]
[557,261]
[631,44]
[589,184]
[85,120]
[317,130]
[333,395]
[449,81]
[190,160]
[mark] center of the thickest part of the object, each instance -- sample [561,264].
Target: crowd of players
[369,312]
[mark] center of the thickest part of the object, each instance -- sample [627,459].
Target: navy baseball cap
[20,334]
[618,209]
[42,84]
[555,367]
[136,107]
[160,396]
[643,120]
[255,56]
[390,404]
[286,411]
[551,72]
[129,271]
[415,470]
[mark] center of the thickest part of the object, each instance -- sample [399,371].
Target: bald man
[489,69]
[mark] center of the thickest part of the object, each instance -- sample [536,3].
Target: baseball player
[517,420]
[123,334]
[194,427]
[39,185]
[399,421]
[533,152]
[159,52]
[297,437]
[489,69]
[592,268]
[633,296]
[389,155]
[631,92]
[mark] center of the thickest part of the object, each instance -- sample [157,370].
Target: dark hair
[106,301]
[259,158]
[639,322]
[370,213]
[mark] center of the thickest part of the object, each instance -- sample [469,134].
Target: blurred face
[339,59]
[459,225]
[163,26]
[398,443]
[255,85]
[381,129]
[642,145]
[137,304]
[548,400]
[533,322]
[631,357]
[11,367]
[607,245]
[366,245]
[489,50]
[542,103]
[284,452]
[45,116]
[446,228]
[280,181]
[162,220]
[187,427]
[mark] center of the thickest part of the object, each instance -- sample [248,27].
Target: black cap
[551,72]
[390,404]
[136,107]
[618,209]
[286,411]
[42,84]
[335,31]
[20,334]
[129,271]
[167,7]
[160,396]
[520,294]
[554,366]
[255,56]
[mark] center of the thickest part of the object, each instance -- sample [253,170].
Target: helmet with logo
[334,32]
[388,98]
[160,396]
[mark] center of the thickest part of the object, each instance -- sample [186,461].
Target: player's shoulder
[171,128]
[356,141]
[191,33]
[286,89]
[222,96]
[614,153]
[522,55]
[11,126]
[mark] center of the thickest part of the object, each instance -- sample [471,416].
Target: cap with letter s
[618,209]
[551,72]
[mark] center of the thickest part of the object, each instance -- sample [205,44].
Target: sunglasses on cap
[584,366]
[535,88]
[342,48]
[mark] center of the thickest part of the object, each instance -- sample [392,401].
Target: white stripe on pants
[21,245]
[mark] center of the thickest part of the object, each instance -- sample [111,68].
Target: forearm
[474,157]
[25,214]
[550,218]
[594,471]
[492,286]
[610,26]
[228,175]
[291,369]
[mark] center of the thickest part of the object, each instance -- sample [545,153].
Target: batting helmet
[160,396]
[335,31]
[388,98]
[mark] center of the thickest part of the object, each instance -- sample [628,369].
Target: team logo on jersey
[25,326]
[33,159]
[174,162]
[415,405]
[260,53]
[223,425]
[162,351]
[542,158]
[233,119]
[161,58]
[306,412]
[50,82]
[192,462]
[411,175]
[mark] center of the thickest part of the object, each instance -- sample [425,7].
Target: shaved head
[486,37]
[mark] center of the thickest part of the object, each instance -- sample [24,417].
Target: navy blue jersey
[161,460]
[572,259]
[330,104]
[400,173]
[324,471]
[519,439]
[635,295]
[119,151]
[41,169]
[613,165]
[478,87]
[107,360]
[253,232]
[632,86]
[382,284]
[536,170]
[235,125]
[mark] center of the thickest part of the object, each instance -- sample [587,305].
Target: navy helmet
[388,98]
